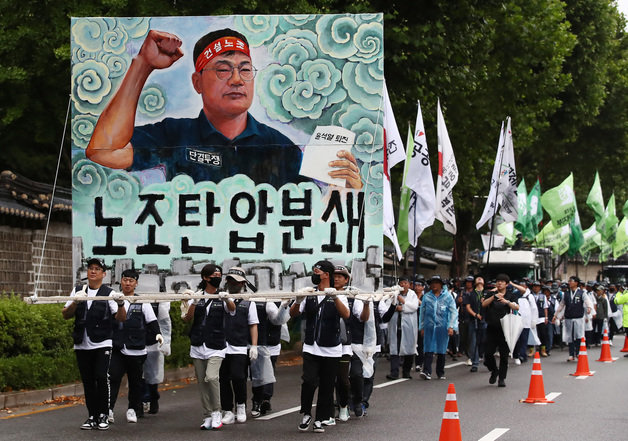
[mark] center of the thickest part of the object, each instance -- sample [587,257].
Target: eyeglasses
[225,71]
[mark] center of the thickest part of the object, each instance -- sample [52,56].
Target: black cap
[130,273]
[435,278]
[503,277]
[327,267]
[403,278]
[469,279]
[591,284]
[575,279]
[97,261]
[546,288]
[210,269]
[536,283]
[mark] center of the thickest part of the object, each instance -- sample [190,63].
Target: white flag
[447,177]
[418,178]
[394,149]
[492,202]
[393,142]
[389,214]
[508,179]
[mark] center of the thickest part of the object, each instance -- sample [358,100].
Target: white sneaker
[206,424]
[228,417]
[131,417]
[517,361]
[343,414]
[217,419]
[241,413]
[469,362]
[111,417]
[330,422]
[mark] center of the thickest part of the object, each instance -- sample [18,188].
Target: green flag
[620,246]
[595,201]
[560,202]
[610,221]
[523,218]
[557,238]
[576,238]
[404,201]
[592,240]
[625,209]
[507,229]
[534,208]
[605,251]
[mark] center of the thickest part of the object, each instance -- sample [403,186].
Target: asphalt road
[592,408]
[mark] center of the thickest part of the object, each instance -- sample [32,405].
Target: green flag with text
[560,202]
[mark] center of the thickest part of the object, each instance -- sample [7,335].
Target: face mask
[215,281]
[234,288]
[316,279]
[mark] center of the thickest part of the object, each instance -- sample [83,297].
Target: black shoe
[493,378]
[305,423]
[89,424]
[407,375]
[501,383]
[626,355]
[103,422]
[392,377]
[265,407]
[474,369]
[154,407]
[256,410]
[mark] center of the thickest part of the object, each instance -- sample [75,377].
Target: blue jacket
[436,316]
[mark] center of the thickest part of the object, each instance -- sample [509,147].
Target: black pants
[356,379]
[93,366]
[233,371]
[405,367]
[342,380]
[265,392]
[495,340]
[541,331]
[318,372]
[133,367]
[440,364]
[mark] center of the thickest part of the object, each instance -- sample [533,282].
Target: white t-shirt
[323,351]
[149,317]
[87,344]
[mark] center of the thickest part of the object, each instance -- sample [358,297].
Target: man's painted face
[229,97]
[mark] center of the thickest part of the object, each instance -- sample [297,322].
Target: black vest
[132,332]
[209,327]
[150,333]
[322,322]
[356,327]
[237,326]
[575,308]
[539,305]
[97,320]
[267,333]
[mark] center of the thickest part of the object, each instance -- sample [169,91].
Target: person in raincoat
[154,364]
[438,319]
[402,331]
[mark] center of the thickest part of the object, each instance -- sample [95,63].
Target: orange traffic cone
[536,393]
[605,355]
[450,427]
[625,348]
[583,361]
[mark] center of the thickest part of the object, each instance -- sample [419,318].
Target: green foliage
[36,371]
[180,344]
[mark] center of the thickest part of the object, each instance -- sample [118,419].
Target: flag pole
[490,239]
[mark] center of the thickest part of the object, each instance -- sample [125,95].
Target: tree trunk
[464,223]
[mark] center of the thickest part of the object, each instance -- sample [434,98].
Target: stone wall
[20,257]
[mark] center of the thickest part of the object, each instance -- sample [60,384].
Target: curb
[10,400]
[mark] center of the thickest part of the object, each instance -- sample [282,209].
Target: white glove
[79,295]
[159,339]
[330,292]
[284,303]
[223,296]
[184,308]
[118,297]
[165,349]
[253,352]
[368,353]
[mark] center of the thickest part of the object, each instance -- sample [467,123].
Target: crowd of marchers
[235,340]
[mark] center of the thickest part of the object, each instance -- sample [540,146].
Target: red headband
[217,47]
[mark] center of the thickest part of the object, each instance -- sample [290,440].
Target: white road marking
[389,383]
[584,377]
[281,413]
[552,395]
[494,434]
[460,363]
